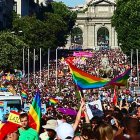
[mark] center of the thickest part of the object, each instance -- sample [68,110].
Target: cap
[64,131]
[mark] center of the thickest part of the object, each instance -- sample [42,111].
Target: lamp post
[28,67]
[34,66]
[23,53]
[56,68]
[40,65]
[48,63]
[137,52]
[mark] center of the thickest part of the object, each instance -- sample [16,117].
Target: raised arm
[78,117]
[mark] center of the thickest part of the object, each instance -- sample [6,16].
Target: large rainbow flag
[84,80]
[121,80]
[35,112]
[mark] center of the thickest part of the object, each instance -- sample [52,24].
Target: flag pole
[23,63]
[137,52]
[34,66]
[48,63]
[56,69]
[40,65]
[81,92]
[131,66]
[28,67]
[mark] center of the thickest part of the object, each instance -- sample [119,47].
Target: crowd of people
[118,121]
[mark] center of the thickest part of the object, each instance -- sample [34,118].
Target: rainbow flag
[1,104]
[35,112]
[84,80]
[121,80]
[53,101]
[24,94]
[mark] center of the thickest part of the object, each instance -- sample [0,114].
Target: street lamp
[23,56]
[56,67]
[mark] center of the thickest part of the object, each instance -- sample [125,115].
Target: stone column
[90,36]
[85,33]
[116,38]
[112,37]
[96,30]
[94,46]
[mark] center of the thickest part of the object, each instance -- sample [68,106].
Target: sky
[72,3]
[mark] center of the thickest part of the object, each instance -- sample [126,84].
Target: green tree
[126,21]
[68,16]
[10,50]
[48,31]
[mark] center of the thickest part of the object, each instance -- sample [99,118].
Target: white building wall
[22,7]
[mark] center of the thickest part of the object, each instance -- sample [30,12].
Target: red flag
[115,97]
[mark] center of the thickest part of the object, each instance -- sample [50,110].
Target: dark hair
[87,130]
[22,115]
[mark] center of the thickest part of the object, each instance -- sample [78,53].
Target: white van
[13,101]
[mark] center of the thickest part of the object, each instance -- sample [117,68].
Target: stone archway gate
[98,14]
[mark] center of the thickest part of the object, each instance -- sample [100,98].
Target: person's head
[132,126]
[12,136]
[86,130]
[65,131]
[50,127]
[104,132]
[9,131]
[24,120]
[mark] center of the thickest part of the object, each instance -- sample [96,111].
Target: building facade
[95,24]
[6,8]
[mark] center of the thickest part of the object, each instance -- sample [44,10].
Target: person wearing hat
[9,131]
[65,131]
[49,129]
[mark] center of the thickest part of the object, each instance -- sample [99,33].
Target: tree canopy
[49,28]
[126,21]
[10,50]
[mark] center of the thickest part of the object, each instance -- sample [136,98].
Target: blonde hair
[104,132]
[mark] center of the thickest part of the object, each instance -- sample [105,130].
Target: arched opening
[103,38]
[77,38]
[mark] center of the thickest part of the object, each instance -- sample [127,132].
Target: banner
[83,54]
[14,117]
[94,109]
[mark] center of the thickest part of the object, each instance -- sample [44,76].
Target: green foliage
[10,50]
[126,21]
[49,29]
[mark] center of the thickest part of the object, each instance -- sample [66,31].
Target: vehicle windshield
[14,103]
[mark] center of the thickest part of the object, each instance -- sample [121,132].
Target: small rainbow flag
[1,104]
[84,80]
[53,101]
[24,94]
